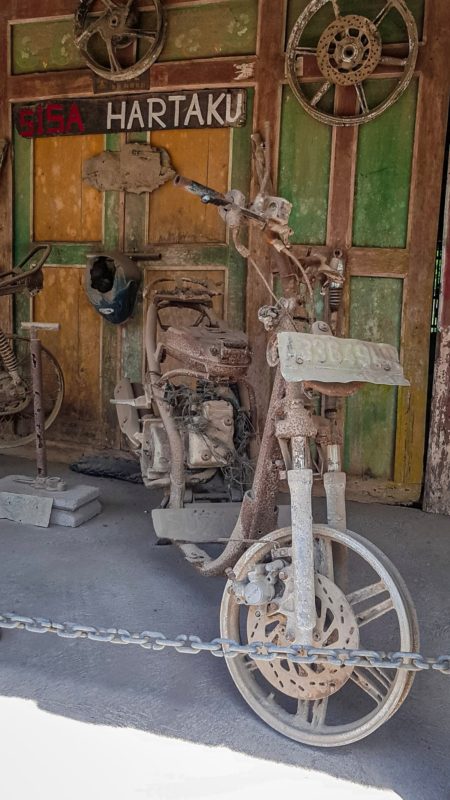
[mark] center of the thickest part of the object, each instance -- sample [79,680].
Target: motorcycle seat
[219,352]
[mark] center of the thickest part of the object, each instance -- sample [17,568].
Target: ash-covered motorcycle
[289,580]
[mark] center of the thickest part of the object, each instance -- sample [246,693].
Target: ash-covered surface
[109,572]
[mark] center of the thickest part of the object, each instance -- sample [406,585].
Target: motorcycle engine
[208,428]
[215,428]
[210,441]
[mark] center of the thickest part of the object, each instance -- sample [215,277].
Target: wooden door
[52,204]
[372,191]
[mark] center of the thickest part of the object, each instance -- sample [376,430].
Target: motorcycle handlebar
[205,193]
[211,197]
[46,250]
[17,277]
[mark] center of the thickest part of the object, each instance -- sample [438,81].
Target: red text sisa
[49,119]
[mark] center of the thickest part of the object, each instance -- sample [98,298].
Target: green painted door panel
[42,46]
[212,30]
[305,150]
[383,171]
[204,31]
[22,211]
[370,425]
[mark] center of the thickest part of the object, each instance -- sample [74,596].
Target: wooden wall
[372,191]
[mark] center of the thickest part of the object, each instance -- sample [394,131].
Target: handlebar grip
[41,261]
[207,195]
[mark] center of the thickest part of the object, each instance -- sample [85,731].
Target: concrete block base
[72,519]
[70,508]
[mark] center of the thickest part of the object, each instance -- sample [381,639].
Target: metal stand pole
[38,405]
[42,479]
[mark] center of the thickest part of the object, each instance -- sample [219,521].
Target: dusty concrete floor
[110,572]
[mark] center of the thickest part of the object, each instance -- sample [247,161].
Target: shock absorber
[335,291]
[335,296]
[9,359]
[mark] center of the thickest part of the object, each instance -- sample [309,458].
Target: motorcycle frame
[284,451]
[177,481]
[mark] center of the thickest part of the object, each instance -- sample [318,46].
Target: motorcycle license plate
[324,358]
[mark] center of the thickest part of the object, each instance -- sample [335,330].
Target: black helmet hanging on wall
[112,281]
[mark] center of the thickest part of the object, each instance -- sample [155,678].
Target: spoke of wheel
[109,4]
[371,683]
[305,51]
[319,712]
[323,558]
[380,17]
[362,98]
[374,612]
[93,28]
[313,712]
[320,93]
[336,9]
[139,34]
[302,710]
[381,676]
[115,66]
[85,36]
[393,61]
[251,665]
[366,593]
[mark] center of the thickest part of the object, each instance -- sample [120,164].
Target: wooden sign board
[215,108]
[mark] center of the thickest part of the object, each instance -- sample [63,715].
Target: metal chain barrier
[227,648]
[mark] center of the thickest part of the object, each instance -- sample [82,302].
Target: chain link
[227,648]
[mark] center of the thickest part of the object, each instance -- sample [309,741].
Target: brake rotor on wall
[349,51]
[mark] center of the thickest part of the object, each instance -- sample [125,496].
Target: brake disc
[349,50]
[336,626]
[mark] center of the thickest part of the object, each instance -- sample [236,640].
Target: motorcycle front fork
[300,479]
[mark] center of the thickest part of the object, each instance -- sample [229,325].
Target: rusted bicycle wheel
[114,43]
[346,54]
[16,402]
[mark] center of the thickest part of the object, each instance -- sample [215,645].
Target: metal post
[38,404]
[38,397]
[300,480]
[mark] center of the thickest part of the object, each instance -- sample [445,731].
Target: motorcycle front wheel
[312,704]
